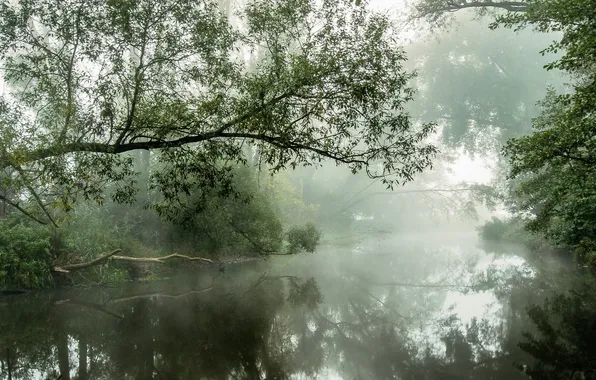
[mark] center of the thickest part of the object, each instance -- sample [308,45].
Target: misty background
[271,252]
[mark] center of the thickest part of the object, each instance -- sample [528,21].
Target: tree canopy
[88,81]
[556,165]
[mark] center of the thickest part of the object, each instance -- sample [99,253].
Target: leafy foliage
[513,230]
[556,165]
[90,81]
[305,237]
[25,258]
[210,224]
[564,346]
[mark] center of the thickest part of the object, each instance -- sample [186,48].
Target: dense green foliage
[304,238]
[216,227]
[25,256]
[513,230]
[172,77]
[556,165]
[212,225]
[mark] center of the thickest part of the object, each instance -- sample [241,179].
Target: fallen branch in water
[100,259]
[161,260]
[112,256]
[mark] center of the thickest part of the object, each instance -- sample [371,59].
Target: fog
[295,189]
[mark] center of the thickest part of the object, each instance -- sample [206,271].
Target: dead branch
[161,260]
[68,268]
[112,256]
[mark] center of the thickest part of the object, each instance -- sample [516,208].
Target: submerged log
[112,256]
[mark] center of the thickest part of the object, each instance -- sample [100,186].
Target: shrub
[514,230]
[305,238]
[493,230]
[213,225]
[25,259]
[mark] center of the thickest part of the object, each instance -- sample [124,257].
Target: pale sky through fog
[464,168]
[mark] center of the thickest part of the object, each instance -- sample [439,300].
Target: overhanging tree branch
[300,107]
[437,10]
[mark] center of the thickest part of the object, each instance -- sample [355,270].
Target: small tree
[305,238]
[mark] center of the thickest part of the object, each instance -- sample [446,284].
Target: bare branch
[161,260]
[67,268]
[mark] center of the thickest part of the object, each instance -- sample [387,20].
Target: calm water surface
[400,307]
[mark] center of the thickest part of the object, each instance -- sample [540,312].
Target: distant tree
[481,87]
[90,81]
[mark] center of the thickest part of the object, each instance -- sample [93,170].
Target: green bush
[91,231]
[305,237]
[493,230]
[213,225]
[514,230]
[25,258]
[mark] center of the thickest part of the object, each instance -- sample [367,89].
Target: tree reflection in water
[276,326]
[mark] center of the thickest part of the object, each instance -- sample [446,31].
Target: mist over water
[297,190]
[414,305]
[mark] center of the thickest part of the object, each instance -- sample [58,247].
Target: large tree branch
[112,256]
[105,148]
[161,260]
[435,7]
[99,260]
[119,147]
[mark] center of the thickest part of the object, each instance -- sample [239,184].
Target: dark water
[424,307]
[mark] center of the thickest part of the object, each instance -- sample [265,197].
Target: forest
[144,141]
[175,128]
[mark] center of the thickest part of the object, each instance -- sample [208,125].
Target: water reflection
[371,313]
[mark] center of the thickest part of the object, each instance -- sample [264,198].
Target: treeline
[552,172]
[267,218]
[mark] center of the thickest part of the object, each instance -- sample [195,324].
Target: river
[425,306]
